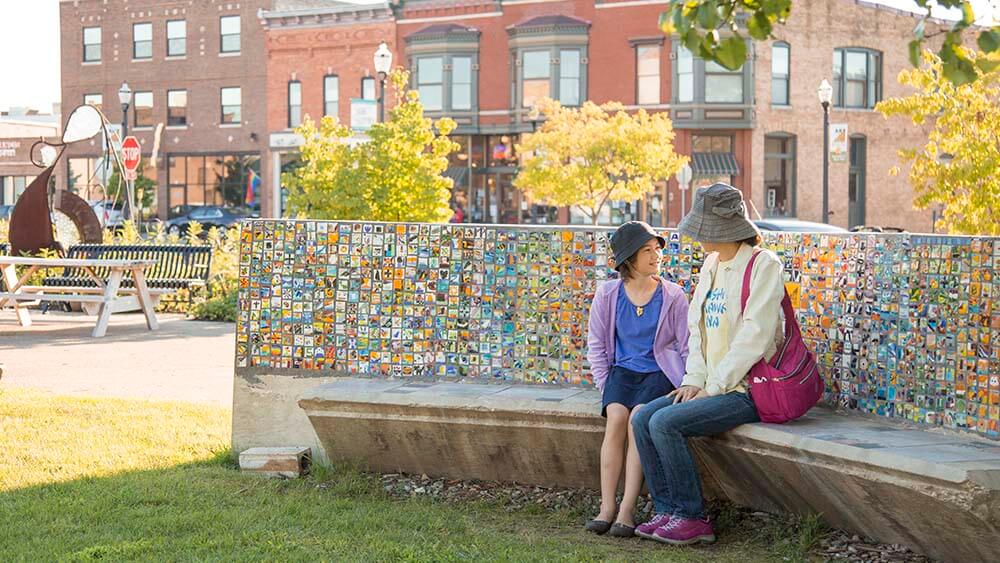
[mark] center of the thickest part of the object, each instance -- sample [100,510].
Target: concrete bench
[937,492]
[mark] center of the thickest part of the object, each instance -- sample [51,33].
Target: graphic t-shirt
[717,324]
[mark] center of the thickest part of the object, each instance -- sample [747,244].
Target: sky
[29,48]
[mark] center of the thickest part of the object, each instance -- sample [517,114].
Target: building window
[712,159]
[11,187]
[857,78]
[647,74]
[294,104]
[779,175]
[96,100]
[569,77]
[779,73]
[712,143]
[430,82]
[723,86]
[536,69]
[91,44]
[368,88]
[84,179]
[229,27]
[176,38]
[550,56]
[232,102]
[143,103]
[226,180]
[685,75]
[177,107]
[331,95]
[461,83]
[142,41]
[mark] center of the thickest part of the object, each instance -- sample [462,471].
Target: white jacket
[755,335]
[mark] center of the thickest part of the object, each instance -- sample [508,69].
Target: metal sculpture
[31,228]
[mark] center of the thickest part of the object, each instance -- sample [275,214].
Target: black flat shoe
[597,526]
[621,531]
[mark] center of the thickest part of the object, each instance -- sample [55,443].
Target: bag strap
[745,292]
[791,325]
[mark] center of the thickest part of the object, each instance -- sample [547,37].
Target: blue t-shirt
[634,334]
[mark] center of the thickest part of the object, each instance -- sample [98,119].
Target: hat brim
[624,254]
[711,228]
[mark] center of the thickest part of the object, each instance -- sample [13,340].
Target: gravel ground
[832,545]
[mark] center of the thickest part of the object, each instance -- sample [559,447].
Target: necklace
[638,311]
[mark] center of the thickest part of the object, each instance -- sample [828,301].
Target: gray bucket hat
[629,238]
[719,214]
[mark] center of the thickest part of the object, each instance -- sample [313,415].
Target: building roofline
[312,17]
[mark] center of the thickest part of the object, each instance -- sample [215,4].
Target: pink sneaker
[685,531]
[646,530]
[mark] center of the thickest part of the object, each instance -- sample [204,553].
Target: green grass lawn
[84,479]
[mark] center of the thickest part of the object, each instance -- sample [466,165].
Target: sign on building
[363,113]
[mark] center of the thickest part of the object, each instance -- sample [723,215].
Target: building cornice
[321,17]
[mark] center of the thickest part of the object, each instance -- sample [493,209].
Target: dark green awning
[714,164]
[457,174]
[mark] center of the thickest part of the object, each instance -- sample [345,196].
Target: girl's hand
[687,393]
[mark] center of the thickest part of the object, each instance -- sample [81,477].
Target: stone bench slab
[936,491]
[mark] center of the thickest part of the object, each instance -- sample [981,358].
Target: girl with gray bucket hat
[636,346]
[724,345]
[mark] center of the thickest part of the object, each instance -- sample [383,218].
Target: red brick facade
[202,71]
[727,123]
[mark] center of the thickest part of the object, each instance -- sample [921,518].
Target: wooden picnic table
[108,292]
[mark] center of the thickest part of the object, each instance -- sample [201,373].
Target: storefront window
[224,180]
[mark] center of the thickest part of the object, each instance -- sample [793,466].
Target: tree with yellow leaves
[958,166]
[588,156]
[395,176]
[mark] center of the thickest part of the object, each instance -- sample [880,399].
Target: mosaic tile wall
[903,325]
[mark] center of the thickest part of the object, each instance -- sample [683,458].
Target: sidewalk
[182,361]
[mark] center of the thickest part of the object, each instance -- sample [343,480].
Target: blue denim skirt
[631,388]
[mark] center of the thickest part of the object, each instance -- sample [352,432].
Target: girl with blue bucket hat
[636,346]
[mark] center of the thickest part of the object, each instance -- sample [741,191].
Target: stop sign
[130,153]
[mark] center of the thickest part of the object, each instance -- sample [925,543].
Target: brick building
[227,112]
[319,59]
[197,74]
[867,44]
[19,130]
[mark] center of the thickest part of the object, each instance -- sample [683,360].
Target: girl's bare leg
[633,477]
[612,456]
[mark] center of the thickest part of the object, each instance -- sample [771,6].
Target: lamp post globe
[383,59]
[825,95]
[125,97]
[383,64]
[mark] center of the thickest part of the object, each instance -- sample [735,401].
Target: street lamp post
[383,64]
[825,93]
[125,97]
[944,159]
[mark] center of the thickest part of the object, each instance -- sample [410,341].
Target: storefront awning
[457,174]
[714,164]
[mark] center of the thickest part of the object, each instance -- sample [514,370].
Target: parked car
[110,214]
[796,226]
[877,229]
[208,216]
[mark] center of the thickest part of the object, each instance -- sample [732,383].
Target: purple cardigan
[669,345]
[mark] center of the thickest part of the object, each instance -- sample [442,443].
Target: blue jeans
[661,431]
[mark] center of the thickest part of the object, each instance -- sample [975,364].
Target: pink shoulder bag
[789,385]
